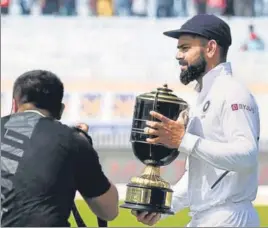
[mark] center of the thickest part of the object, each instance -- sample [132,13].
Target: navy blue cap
[207,26]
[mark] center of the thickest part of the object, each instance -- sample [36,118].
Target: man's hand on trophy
[82,126]
[146,217]
[168,132]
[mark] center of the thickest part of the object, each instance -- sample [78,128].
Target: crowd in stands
[142,8]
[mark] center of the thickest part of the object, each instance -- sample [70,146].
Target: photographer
[44,162]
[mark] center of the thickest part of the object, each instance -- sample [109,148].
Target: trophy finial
[164,89]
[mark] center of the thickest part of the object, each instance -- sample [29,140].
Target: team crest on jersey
[206,106]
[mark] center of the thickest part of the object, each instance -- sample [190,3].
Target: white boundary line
[261,199]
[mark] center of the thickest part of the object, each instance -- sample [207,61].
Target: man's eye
[184,48]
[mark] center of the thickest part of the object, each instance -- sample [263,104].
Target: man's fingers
[82,126]
[141,216]
[150,131]
[149,218]
[160,117]
[154,140]
[154,219]
[154,124]
[183,117]
[146,217]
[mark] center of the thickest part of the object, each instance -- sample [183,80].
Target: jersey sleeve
[90,179]
[241,127]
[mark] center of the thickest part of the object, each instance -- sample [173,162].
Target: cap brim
[177,33]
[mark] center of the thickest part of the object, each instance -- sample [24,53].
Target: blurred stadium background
[108,51]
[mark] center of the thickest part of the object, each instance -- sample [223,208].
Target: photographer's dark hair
[41,88]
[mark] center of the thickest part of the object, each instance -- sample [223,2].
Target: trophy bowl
[149,192]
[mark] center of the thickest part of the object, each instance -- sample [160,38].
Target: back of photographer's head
[38,89]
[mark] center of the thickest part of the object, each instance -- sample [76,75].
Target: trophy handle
[152,118]
[155,103]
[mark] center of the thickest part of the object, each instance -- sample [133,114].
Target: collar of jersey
[35,111]
[208,79]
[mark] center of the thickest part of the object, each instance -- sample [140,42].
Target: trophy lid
[163,94]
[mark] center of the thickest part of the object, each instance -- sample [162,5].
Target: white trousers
[241,214]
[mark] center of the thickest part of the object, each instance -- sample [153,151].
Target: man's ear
[211,48]
[61,110]
[15,106]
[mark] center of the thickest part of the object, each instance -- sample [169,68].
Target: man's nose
[179,55]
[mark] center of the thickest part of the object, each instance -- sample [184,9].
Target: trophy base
[147,208]
[149,192]
[150,199]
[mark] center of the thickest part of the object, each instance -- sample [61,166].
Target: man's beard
[193,71]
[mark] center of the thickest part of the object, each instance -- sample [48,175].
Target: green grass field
[125,219]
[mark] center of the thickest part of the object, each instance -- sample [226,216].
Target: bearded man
[221,135]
